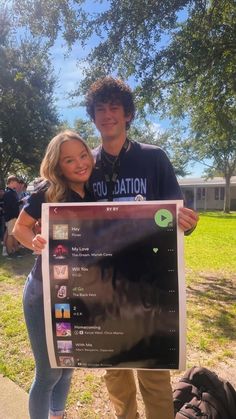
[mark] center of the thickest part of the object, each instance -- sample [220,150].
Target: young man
[128,170]
[11,212]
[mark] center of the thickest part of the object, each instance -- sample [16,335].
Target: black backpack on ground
[200,393]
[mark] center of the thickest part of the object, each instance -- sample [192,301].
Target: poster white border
[180,262]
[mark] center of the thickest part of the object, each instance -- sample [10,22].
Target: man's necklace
[111,167]
[109,158]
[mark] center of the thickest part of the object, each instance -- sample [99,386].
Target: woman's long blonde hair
[58,187]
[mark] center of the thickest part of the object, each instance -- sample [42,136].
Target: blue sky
[68,73]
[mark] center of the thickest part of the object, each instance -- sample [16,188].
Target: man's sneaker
[18,255]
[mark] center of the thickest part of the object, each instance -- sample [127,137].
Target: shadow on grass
[216,298]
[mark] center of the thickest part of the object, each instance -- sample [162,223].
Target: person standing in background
[23,195]
[11,211]
[2,221]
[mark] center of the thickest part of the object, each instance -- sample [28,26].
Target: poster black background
[129,292]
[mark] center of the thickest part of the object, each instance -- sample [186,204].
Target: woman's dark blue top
[33,208]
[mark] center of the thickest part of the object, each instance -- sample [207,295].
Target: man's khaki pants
[155,388]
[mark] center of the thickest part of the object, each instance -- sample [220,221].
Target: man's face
[110,120]
[15,185]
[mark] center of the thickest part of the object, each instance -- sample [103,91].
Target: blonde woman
[65,169]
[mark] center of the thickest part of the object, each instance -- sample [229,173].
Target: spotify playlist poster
[114,292]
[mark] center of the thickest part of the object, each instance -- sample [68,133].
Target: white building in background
[202,194]
[199,194]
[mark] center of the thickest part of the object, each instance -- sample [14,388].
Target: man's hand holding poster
[114,293]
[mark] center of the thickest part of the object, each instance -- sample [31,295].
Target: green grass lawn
[15,356]
[210,254]
[212,247]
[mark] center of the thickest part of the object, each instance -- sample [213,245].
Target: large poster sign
[114,294]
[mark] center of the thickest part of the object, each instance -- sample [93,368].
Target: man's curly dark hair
[108,89]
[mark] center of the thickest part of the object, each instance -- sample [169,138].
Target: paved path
[13,400]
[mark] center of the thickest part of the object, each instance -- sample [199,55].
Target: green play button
[164,218]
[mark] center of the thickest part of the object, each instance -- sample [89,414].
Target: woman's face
[74,162]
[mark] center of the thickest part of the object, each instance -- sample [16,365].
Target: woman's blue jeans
[51,385]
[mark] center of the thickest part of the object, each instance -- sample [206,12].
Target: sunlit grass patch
[212,246]
[85,390]
[15,356]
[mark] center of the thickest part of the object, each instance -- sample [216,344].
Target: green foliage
[129,35]
[205,88]
[27,113]
[149,41]
[181,55]
[48,18]
[169,140]
[87,131]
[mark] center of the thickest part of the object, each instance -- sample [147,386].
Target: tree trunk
[227,194]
